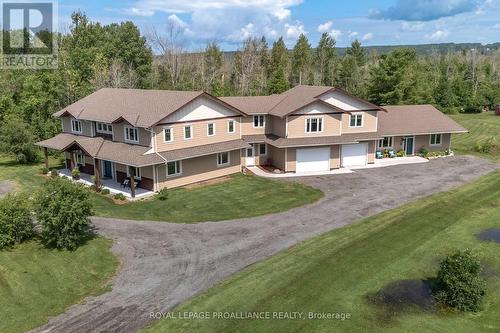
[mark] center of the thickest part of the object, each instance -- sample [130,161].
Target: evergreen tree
[301,58]
[278,81]
[357,53]
[326,59]
[212,61]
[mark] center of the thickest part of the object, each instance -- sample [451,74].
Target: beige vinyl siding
[248,129]
[371,151]
[291,159]
[278,126]
[423,141]
[86,126]
[119,134]
[297,125]
[199,133]
[277,156]
[335,157]
[369,122]
[199,169]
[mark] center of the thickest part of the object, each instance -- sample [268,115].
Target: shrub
[63,209]
[490,146]
[119,196]
[400,153]
[17,140]
[105,191]
[16,223]
[75,173]
[162,194]
[45,171]
[54,173]
[424,152]
[458,282]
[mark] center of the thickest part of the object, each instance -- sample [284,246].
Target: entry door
[409,145]
[108,170]
[250,156]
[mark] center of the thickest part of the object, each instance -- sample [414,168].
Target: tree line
[93,56]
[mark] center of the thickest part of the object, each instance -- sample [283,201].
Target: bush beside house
[16,223]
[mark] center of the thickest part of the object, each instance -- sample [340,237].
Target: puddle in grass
[403,296]
[490,235]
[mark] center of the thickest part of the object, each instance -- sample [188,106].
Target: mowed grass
[336,272]
[36,283]
[482,127]
[241,196]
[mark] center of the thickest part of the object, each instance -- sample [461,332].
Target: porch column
[46,155]
[72,161]
[97,172]
[132,182]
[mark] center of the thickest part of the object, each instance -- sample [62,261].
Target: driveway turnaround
[164,264]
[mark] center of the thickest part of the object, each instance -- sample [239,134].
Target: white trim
[286,158]
[228,159]
[112,168]
[265,149]
[74,121]
[103,131]
[404,144]
[356,121]
[286,127]
[92,129]
[314,117]
[234,126]
[436,144]
[391,142]
[79,154]
[178,173]
[411,134]
[258,121]
[155,185]
[171,134]
[190,131]
[125,132]
[208,124]
[139,172]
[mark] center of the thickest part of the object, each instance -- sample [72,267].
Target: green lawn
[36,283]
[337,272]
[481,126]
[242,196]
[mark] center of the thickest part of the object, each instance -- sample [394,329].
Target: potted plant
[75,173]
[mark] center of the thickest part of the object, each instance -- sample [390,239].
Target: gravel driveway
[164,264]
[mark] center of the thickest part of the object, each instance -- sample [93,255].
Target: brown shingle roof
[415,119]
[214,148]
[99,148]
[253,104]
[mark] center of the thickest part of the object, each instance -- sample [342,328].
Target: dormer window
[76,126]
[356,120]
[104,128]
[131,134]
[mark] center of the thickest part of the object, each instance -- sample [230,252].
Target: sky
[230,22]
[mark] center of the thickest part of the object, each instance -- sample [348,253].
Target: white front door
[313,159]
[250,156]
[354,155]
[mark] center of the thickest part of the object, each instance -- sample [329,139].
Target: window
[386,142]
[262,149]
[131,134]
[136,172]
[79,159]
[210,129]
[435,139]
[76,126]
[104,128]
[168,134]
[188,132]
[230,126]
[356,120]
[174,168]
[314,125]
[258,121]
[223,159]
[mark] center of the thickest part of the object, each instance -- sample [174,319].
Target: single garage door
[354,155]
[313,159]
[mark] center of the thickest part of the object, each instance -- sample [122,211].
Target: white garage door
[313,159]
[354,155]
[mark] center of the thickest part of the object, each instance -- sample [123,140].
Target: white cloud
[336,33]
[177,21]
[324,27]
[368,36]
[139,11]
[438,35]
[412,26]
[293,31]
[353,34]
[496,26]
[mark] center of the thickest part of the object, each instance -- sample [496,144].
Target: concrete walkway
[164,264]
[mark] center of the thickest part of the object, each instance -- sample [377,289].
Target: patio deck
[110,184]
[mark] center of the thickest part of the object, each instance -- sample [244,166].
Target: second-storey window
[188,132]
[259,121]
[435,139]
[314,125]
[230,126]
[104,128]
[131,134]
[76,126]
[356,120]
[168,134]
[210,129]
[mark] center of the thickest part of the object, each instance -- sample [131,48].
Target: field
[376,271]
[482,127]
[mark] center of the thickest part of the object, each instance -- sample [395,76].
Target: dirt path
[165,264]
[6,186]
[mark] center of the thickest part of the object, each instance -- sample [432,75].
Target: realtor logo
[29,35]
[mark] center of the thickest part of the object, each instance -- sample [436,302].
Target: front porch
[110,184]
